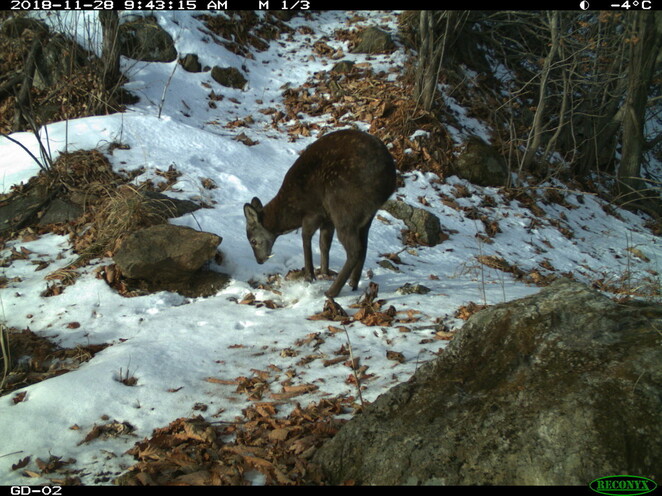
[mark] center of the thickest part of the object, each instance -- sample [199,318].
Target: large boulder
[230,77]
[165,253]
[58,58]
[14,27]
[481,164]
[559,388]
[374,40]
[424,226]
[143,39]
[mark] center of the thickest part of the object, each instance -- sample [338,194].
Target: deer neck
[280,217]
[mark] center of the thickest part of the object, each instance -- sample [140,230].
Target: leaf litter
[194,451]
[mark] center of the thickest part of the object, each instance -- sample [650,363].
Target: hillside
[264,362]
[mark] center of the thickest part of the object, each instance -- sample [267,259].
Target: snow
[172,344]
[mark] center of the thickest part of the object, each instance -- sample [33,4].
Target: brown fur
[337,184]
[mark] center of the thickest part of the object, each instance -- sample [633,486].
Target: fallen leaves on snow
[195,452]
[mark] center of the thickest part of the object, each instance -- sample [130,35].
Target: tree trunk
[425,82]
[110,55]
[432,47]
[646,42]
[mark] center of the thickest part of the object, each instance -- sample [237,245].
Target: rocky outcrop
[38,204]
[20,208]
[559,388]
[54,56]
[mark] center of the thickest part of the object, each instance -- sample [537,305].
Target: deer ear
[252,216]
[256,204]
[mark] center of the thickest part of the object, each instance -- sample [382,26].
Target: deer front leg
[326,238]
[308,228]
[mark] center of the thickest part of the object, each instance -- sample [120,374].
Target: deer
[337,184]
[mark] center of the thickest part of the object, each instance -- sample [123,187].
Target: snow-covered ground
[172,345]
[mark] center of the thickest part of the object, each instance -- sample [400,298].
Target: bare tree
[580,85]
[539,124]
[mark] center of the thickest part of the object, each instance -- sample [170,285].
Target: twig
[165,88]
[7,87]
[6,355]
[41,166]
[12,453]
[356,376]
[23,97]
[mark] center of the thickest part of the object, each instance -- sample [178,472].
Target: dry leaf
[227,382]
[445,335]
[199,478]
[395,356]
[279,434]
[333,361]
[21,463]
[331,311]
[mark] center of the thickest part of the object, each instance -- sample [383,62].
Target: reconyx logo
[627,485]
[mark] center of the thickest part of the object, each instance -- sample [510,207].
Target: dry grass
[122,212]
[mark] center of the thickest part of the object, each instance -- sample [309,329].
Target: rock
[343,67]
[374,40]
[165,253]
[388,265]
[204,284]
[15,26]
[190,63]
[19,209]
[229,77]
[154,205]
[481,164]
[60,211]
[409,288]
[57,59]
[143,39]
[555,389]
[48,111]
[37,203]
[167,207]
[425,225]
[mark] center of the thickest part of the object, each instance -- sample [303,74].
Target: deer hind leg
[352,242]
[358,268]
